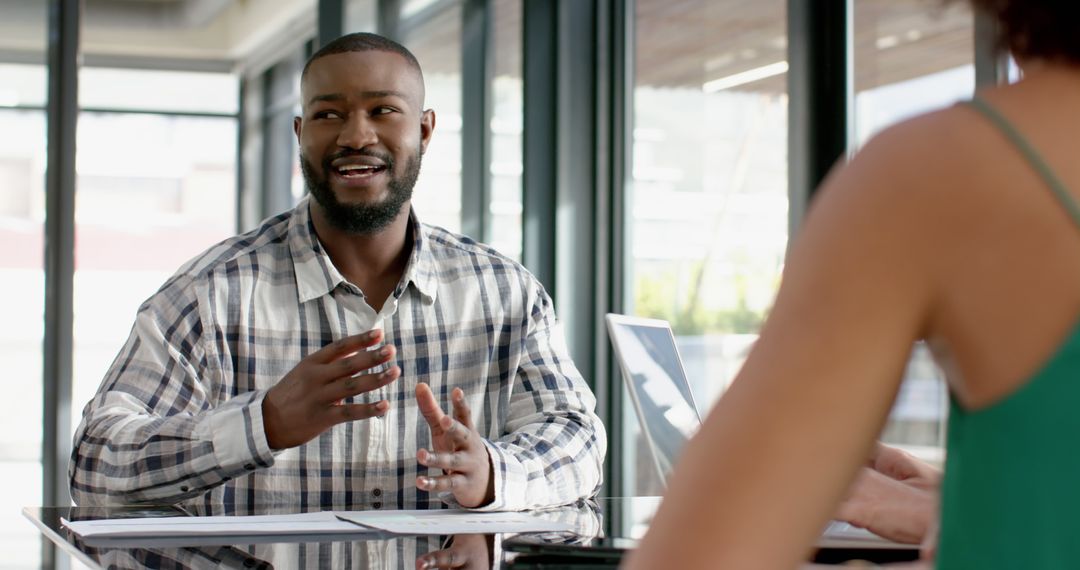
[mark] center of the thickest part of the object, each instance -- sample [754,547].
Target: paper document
[255,525]
[327,522]
[452,522]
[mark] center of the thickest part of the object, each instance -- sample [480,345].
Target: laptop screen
[657,384]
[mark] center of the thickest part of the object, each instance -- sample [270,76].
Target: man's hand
[310,398]
[458,450]
[895,497]
[465,551]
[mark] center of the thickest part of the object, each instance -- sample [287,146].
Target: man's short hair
[363,41]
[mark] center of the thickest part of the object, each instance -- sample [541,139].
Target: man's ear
[427,126]
[297,122]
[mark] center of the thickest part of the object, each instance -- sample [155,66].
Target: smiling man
[343,353]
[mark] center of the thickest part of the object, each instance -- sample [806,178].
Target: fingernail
[386,350]
[382,405]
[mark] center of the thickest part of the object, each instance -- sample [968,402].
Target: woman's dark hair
[1047,29]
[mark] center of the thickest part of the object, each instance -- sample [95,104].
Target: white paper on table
[254,525]
[452,522]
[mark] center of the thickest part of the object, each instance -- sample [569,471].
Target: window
[22,304]
[707,203]
[911,58]
[506,130]
[153,190]
[435,40]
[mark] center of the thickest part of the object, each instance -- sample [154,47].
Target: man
[310,361]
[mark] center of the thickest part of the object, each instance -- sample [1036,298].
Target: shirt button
[376,505]
[377,492]
[184,489]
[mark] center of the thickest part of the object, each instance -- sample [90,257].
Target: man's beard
[362,218]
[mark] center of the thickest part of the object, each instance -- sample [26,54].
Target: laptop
[669,416]
[665,405]
[659,390]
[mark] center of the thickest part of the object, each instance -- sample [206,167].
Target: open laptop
[659,390]
[665,405]
[669,416]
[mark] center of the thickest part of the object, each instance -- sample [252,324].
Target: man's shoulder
[451,249]
[267,242]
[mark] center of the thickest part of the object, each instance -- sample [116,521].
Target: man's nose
[357,132]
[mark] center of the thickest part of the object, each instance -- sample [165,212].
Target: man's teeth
[357,168]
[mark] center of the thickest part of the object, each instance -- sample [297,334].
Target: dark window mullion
[477,77]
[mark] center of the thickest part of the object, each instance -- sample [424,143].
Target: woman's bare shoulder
[935,142]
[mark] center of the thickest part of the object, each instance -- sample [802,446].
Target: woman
[959,227]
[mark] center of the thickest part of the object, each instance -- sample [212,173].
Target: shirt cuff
[509,481]
[239,436]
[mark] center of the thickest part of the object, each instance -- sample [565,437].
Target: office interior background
[648,157]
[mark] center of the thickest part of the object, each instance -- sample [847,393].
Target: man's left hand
[458,450]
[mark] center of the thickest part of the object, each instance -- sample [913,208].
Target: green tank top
[1011,494]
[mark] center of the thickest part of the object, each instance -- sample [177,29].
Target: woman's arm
[758,483]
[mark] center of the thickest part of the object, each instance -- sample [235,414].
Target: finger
[447,461]
[461,408]
[345,346]
[354,364]
[442,483]
[429,407]
[353,385]
[455,431]
[350,412]
[448,558]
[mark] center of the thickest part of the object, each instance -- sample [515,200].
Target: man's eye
[327,115]
[382,110]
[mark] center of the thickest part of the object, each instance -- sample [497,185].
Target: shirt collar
[316,275]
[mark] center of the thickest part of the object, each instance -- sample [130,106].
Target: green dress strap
[1030,155]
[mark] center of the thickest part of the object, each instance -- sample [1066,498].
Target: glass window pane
[506,129]
[22,85]
[138,89]
[22,217]
[436,43]
[23,89]
[152,192]
[709,173]
[910,58]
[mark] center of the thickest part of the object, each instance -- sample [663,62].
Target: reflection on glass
[909,60]
[436,43]
[360,549]
[707,202]
[153,191]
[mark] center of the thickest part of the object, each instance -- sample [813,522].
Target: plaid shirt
[178,416]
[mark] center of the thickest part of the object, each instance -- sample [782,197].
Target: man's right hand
[310,398]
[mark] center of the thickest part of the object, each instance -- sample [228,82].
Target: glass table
[606,526]
[626,517]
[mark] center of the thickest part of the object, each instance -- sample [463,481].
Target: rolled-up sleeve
[554,447]
[152,434]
